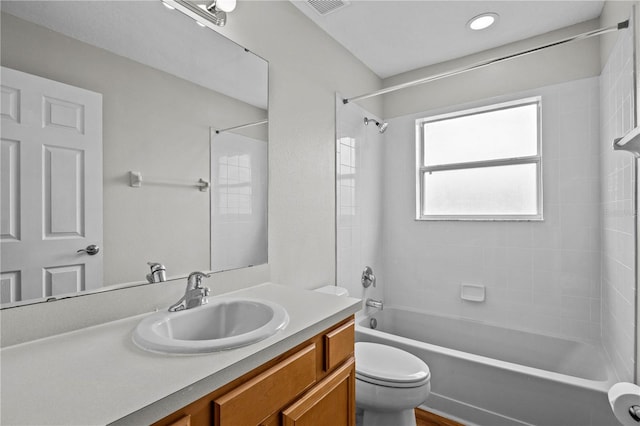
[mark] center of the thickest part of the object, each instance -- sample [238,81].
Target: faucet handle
[158,272]
[196,278]
[368,277]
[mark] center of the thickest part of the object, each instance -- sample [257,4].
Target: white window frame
[422,169]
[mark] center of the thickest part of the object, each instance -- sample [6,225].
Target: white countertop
[97,376]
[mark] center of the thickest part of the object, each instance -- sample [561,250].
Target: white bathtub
[487,375]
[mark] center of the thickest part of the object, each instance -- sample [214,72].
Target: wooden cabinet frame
[333,351]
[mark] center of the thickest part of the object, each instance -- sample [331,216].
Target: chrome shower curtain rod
[482,64]
[242,126]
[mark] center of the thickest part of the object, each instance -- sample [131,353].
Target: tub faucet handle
[373,303]
[368,277]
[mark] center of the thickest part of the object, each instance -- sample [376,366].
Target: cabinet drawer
[338,345]
[255,400]
[330,402]
[184,421]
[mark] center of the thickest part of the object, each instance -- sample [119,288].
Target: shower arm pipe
[485,63]
[242,126]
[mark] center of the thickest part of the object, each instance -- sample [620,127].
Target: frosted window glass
[500,190]
[502,133]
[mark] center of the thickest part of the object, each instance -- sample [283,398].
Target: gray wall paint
[154,123]
[306,68]
[559,64]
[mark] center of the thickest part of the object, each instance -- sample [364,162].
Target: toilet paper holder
[634,412]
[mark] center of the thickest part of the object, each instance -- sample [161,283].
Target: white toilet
[390,383]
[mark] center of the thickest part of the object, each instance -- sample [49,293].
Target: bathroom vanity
[97,375]
[314,383]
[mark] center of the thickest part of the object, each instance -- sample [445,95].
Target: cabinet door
[338,345]
[330,402]
[257,399]
[184,421]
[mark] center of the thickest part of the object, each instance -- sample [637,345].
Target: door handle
[91,250]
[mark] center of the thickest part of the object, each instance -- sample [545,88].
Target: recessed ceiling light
[483,21]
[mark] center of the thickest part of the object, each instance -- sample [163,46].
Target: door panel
[9,190]
[51,190]
[64,192]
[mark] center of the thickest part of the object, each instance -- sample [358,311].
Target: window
[480,164]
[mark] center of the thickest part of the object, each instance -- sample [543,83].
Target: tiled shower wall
[359,198]
[617,174]
[540,276]
[571,275]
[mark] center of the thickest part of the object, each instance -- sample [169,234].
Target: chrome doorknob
[90,250]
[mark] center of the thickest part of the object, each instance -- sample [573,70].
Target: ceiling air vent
[324,7]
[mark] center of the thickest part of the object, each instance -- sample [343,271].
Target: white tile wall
[358,199]
[618,220]
[541,276]
[571,275]
[238,201]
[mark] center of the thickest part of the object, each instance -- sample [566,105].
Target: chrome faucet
[374,303]
[194,295]
[158,273]
[368,277]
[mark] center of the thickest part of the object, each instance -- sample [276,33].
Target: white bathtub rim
[596,345]
[366,313]
[600,386]
[476,409]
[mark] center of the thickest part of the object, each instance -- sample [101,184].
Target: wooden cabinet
[182,421]
[256,400]
[312,384]
[330,402]
[338,345]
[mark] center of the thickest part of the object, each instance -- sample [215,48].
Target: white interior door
[50,188]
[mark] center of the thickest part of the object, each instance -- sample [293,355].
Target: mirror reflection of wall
[238,201]
[152,67]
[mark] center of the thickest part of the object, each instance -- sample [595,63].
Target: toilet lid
[386,365]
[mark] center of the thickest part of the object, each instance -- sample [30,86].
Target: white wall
[618,175]
[555,65]
[306,68]
[154,123]
[239,183]
[540,276]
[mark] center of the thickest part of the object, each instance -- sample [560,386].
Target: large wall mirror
[130,135]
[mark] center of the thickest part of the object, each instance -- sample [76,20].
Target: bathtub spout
[374,303]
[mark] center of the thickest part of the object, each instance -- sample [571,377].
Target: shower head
[381,126]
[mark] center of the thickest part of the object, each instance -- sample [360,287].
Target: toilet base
[386,418]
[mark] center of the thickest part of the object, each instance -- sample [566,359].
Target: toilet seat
[388,366]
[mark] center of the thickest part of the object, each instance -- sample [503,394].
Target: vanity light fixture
[223,5]
[482,21]
[218,10]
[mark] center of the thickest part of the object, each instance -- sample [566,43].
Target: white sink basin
[223,323]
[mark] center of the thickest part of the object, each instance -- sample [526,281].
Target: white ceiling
[394,36]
